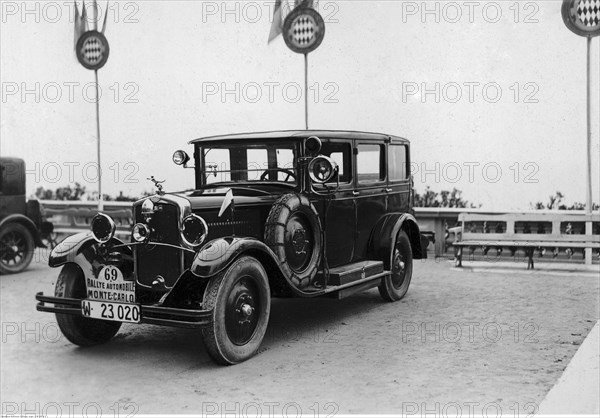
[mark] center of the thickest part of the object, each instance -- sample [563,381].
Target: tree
[69,192]
[78,192]
[555,202]
[443,199]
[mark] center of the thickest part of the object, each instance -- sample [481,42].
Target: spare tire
[293,232]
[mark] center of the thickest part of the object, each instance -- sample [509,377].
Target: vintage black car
[22,227]
[276,214]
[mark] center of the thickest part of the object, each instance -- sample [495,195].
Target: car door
[370,191]
[336,204]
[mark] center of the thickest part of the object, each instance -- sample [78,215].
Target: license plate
[110,311]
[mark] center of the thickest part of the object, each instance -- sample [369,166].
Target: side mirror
[181,158]
[322,169]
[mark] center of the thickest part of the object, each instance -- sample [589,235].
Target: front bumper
[150,314]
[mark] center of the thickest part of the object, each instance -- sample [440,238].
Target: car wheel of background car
[81,331]
[241,301]
[395,286]
[293,232]
[16,248]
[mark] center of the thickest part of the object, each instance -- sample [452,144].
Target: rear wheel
[395,286]
[16,248]
[79,330]
[241,301]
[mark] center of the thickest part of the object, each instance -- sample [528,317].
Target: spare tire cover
[293,232]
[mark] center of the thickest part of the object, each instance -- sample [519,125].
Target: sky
[491,94]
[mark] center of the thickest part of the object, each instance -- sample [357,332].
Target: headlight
[140,232]
[194,230]
[180,157]
[322,169]
[103,228]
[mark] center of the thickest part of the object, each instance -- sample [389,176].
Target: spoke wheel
[240,299]
[395,286]
[241,315]
[16,248]
[293,232]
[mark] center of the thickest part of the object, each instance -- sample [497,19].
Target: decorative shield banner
[92,50]
[304,30]
[582,16]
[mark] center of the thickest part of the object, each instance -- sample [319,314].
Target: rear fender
[384,235]
[84,251]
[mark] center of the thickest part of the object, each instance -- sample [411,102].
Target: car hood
[213,198]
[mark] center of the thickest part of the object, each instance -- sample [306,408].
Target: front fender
[218,254]
[82,249]
[27,223]
[384,234]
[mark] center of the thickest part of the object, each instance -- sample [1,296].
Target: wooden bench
[527,231]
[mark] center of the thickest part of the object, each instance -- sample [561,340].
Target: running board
[352,278]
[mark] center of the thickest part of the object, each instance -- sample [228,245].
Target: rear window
[370,166]
[397,162]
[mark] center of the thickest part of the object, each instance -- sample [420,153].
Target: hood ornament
[158,184]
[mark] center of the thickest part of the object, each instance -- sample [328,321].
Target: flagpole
[589,127]
[100,200]
[306,90]
[589,202]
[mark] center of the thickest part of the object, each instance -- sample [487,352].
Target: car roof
[301,134]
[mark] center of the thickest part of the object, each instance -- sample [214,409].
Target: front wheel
[81,331]
[395,286]
[241,301]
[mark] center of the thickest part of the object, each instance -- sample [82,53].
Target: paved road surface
[461,341]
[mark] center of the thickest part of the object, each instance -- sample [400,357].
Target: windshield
[249,162]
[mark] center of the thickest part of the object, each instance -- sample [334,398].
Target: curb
[577,392]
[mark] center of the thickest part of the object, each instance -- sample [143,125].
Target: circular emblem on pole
[92,50]
[303,30]
[582,16]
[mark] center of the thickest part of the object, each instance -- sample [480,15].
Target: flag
[277,25]
[105,16]
[227,202]
[80,22]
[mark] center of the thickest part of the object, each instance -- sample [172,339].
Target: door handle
[388,189]
[355,193]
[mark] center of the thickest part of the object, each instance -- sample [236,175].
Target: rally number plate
[111,311]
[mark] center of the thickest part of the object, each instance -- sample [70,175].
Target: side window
[370,166]
[341,153]
[397,162]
